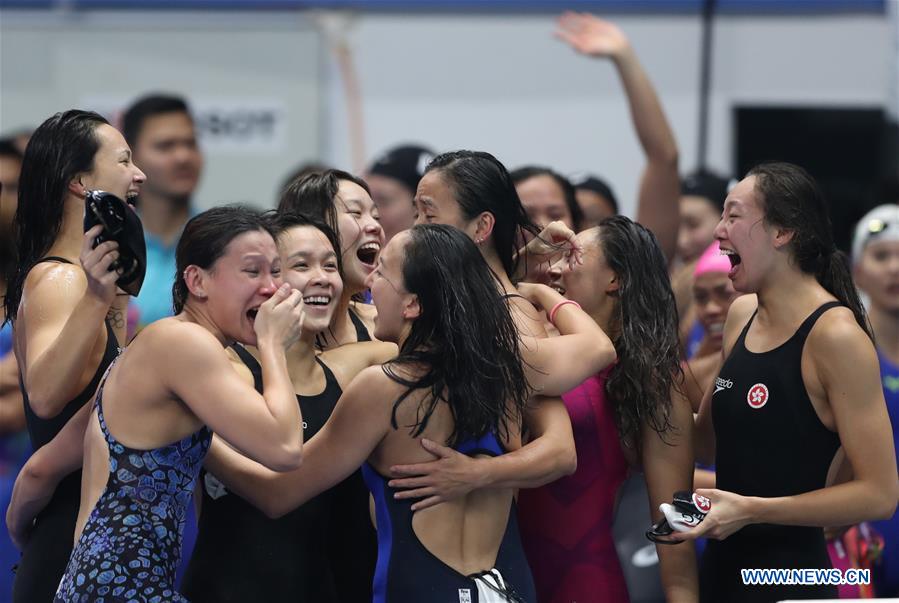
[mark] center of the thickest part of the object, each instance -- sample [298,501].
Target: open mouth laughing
[368,253]
[317,300]
[735,260]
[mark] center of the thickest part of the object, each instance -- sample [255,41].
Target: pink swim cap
[711,260]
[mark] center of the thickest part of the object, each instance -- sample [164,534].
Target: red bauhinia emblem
[702,503]
[757,396]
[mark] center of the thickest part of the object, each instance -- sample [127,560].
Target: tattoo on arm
[116,317]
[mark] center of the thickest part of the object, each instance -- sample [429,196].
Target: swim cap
[711,260]
[879,224]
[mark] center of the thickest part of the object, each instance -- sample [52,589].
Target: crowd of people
[429,382]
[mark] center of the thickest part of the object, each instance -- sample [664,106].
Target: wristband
[552,313]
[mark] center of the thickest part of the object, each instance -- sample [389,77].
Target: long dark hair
[206,237]
[791,199]
[61,147]
[465,338]
[481,183]
[645,327]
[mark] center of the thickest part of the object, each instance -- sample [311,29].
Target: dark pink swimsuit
[566,526]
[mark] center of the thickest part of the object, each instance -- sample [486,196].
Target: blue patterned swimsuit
[131,544]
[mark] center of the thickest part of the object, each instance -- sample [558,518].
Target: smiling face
[713,294]
[388,292]
[112,170]
[746,239]
[361,236]
[309,265]
[242,279]
[877,274]
[590,282]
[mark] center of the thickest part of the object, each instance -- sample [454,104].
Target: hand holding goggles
[685,512]
[120,224]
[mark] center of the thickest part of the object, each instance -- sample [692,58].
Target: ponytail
[833,274]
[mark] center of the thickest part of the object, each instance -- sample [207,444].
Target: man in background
[160,130]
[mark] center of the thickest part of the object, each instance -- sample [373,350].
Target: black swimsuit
[49,545]
[242,555]
[770,443]
[362,333]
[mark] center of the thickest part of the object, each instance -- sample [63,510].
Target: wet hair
[146,107]
[791,199]
[206,237]
[465,338]
[646,326]
[481,183]
[299,171]
[568,190]
[312,195]
[61,148]
[282,222]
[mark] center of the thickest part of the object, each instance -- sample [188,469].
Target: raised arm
[556,365]
[61,316]
[41,474]
[657,207]
[548,456]
[359,422]
[668,465]
[854,394]
[195,368]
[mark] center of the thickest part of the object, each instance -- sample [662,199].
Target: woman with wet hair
[459,380]
[143,440]
[799,380]
[67,316]
[474,192]
[631,414]
[324,551]
[343,202]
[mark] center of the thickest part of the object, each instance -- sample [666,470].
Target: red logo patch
[702,503]
[757,396]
